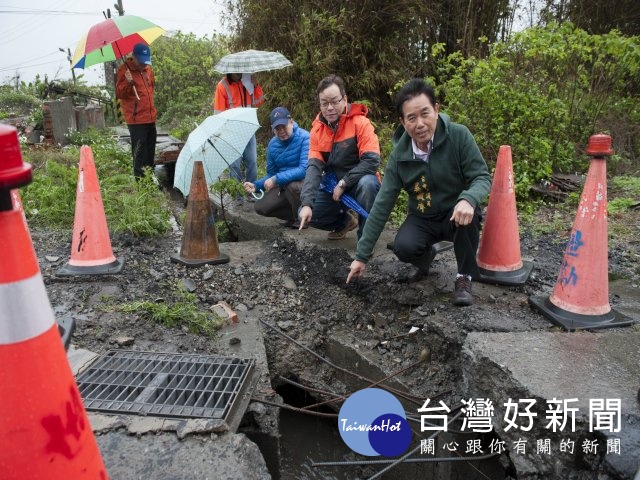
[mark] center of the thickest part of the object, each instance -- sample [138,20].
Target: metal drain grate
[164,384]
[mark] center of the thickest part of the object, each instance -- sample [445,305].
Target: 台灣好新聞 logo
[372,422]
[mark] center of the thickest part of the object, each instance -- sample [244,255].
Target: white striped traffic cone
[45,433]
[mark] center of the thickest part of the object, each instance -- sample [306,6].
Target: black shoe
[462,296]
[415,275]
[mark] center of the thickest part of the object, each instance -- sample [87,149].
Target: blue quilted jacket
[287,160]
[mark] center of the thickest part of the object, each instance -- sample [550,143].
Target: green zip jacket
[455,171]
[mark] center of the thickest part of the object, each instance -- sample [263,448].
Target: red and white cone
[45,430]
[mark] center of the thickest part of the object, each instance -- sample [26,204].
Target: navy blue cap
[142,53]
[279,116]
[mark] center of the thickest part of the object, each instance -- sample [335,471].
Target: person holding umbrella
[135,86]
[343,142]
[240,90]
[286,165]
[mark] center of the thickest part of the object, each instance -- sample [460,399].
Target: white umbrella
[251,61]
[218,141]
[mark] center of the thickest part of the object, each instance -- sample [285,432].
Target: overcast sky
[32,31]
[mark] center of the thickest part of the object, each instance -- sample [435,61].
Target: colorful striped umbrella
[112,39]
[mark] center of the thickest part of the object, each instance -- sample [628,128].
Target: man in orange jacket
[235,91]
[135,85]
[344,143]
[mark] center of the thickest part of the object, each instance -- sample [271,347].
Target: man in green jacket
[440,166]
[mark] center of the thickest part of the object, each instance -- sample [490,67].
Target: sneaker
[352,224]
[462,293]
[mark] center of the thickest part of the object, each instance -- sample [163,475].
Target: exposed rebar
[397,462]
[408,397]
[294,409]
[356,463]
[342,397]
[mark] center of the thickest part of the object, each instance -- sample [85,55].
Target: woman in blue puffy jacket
[287,154]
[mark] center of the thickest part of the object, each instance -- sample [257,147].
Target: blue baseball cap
[279,116]
[142,53]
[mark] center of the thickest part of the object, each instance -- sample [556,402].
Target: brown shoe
[462,296]
[352,223]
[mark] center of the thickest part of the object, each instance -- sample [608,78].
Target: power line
[39,11]
[25,67]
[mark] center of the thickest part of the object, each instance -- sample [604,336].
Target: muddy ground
[299,287]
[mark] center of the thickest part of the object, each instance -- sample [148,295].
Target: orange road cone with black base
[199,240]
[91,252]
[580,297]
[499,259]
[45,430]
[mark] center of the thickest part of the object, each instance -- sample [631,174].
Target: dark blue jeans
[250,160]
[331,215]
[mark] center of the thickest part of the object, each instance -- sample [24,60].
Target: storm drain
[165,384]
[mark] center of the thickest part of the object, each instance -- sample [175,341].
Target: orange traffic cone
[91,252]
[199,240]
[580,298]
[45,430]
[499,259]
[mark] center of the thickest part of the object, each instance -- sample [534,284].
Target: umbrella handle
[258,196]
[136,92]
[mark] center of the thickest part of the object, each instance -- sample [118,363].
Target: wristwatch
[342,183]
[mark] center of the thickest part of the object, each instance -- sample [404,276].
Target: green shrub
[544,92]
[138,207]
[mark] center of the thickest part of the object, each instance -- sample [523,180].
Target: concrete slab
[164,457]
[548,365]
[79,358]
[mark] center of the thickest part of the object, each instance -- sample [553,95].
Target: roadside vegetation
[543,90]
[177,309]
[49,201]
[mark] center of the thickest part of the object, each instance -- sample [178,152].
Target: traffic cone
[45,430]
[199,240]
[91,252]
[499,259]
[580,297]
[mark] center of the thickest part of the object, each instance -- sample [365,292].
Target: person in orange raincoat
[135,86]
[343,142]
[240,90]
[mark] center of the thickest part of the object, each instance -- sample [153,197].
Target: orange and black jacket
[136,111]
[350,151]
[231,94]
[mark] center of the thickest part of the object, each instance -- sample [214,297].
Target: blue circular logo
[372,422]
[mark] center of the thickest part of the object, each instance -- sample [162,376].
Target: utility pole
[110,67]
[118,6]
[70,58]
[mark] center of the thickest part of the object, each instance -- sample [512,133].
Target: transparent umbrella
[218,141]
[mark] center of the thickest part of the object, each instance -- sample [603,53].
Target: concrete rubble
[497,358]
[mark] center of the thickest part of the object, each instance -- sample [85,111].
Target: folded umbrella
[329,182]
[251,61]
[218,141]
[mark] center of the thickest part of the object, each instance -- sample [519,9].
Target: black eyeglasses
[334,103]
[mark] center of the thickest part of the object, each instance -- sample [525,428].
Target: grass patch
[180,311]
[137,207]
[627,185]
